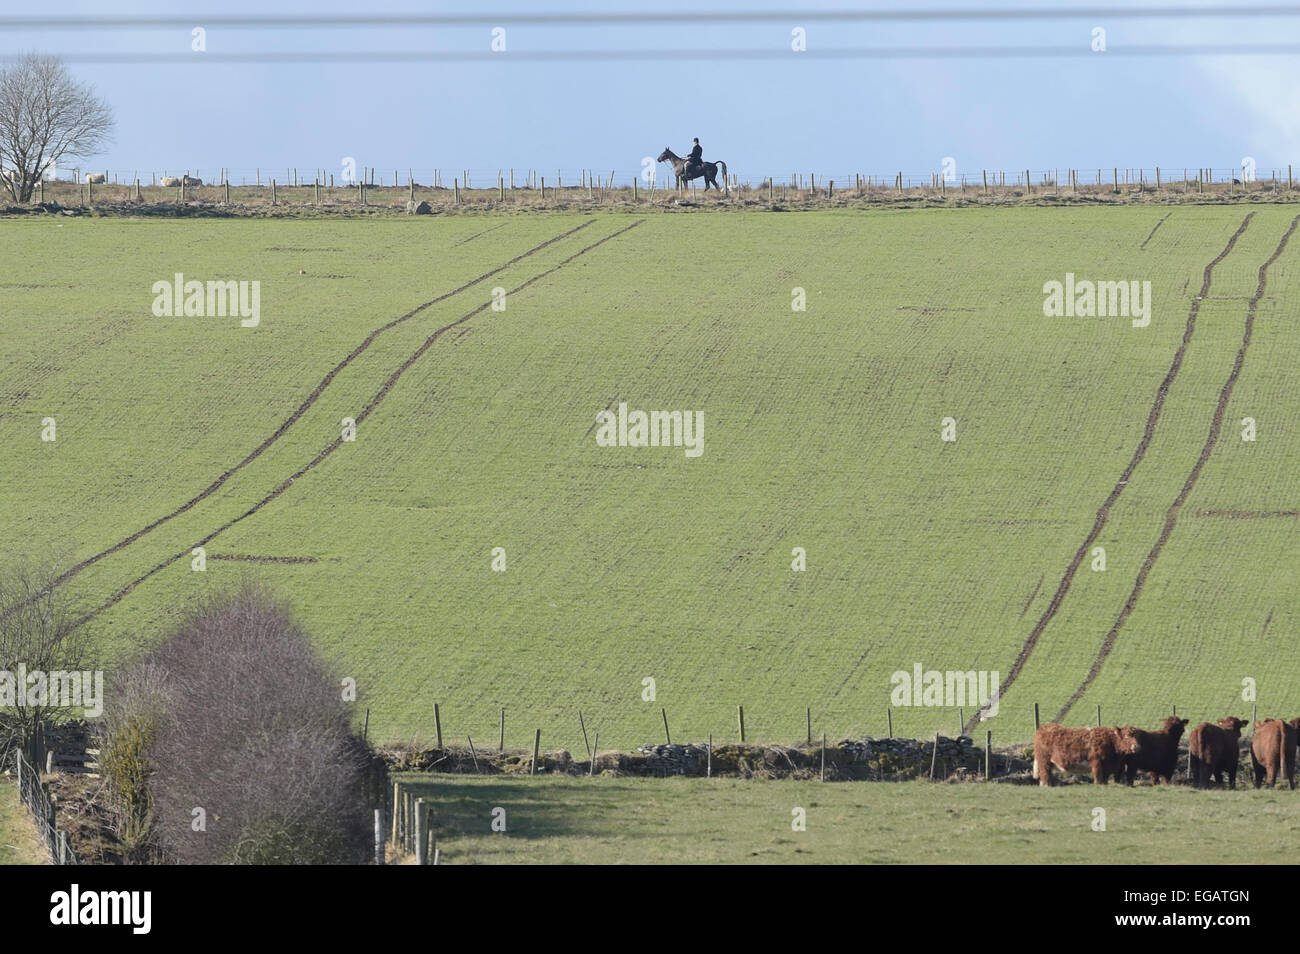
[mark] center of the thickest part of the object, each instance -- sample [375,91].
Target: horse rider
[695,161]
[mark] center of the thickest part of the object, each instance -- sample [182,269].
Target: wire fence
[425,190]
[650,172]
[37,798]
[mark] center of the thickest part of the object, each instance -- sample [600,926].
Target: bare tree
[45,116]
[39,633]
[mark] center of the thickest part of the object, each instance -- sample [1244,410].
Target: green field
[718,821]
[20,843]
[821,431]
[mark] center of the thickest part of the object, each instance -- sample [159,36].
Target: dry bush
[249,726]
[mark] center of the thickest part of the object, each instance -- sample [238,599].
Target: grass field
[19,842]
[821,431]
[719,821]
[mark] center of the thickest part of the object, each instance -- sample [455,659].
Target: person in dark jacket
[695,161]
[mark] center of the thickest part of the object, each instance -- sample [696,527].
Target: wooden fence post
[396,809]
[273,196]
[420,832]
[988,754]
[823,756]
[667,736]
[437,723]
[502,746]
[889,717]
[410,821]
[708,755]
[594,752]
[740,716]
[537,745]
[379,836]
[583,725]
[1035,716]
[808,718]
[473,754]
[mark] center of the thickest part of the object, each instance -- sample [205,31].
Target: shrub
[251,760]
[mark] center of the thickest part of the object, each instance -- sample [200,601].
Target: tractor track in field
[1249,514]
[477,234]
[1030,602]
[1211,439]
[360,417]
[303,408]
[255,558]
[1153,231]
[1099,522]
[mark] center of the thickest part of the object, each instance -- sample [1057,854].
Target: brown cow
[1215,749]
[1272,751]
[1100,750]
[1153,752]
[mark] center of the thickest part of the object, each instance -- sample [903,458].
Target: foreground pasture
[727,821]
[20,843]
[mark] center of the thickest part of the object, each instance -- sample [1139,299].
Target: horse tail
[723,166]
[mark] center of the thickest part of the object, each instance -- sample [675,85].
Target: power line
[577,18]
[555,56]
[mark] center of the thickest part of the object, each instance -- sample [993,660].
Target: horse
[709,170]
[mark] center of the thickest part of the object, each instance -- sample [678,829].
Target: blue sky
[788,113]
